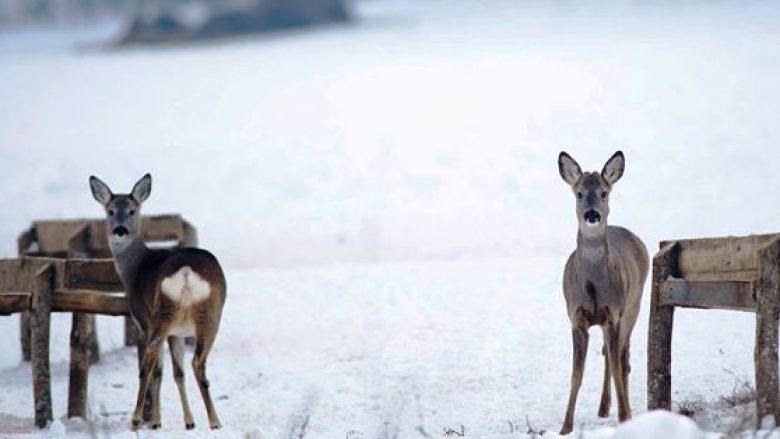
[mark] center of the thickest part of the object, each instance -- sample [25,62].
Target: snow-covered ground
[386,201]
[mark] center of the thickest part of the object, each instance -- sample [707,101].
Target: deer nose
[592,217]
[121,231]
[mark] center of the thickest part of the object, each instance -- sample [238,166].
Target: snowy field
[386,201]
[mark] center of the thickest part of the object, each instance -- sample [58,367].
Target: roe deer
[172,294]
[602,283]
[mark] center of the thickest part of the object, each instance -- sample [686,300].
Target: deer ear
[569,169]
[613,169]
[142,188]
[100,190]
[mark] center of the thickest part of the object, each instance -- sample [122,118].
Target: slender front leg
[612,335]
[579,353]
[606,390]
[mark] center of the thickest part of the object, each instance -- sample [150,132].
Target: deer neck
[127,258]
[593,249]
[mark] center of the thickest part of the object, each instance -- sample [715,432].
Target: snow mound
[56,429]
[659,423]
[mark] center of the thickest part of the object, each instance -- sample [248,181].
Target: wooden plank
[659,339]
[766,355]
[92,274]
[730,295]
[16,274]
[112,304]
[40,325]
[52,235]
[163,228]
[725,258]
[11,303]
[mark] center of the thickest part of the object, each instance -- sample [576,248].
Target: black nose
[592,216]
[121,231]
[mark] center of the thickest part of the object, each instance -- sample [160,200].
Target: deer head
[591,189]
[123,211]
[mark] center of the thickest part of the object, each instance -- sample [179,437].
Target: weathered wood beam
[40,325]
[729,295]
[766,355]
[726,258]
[659,339]
[52,235]
[112,304]
[92,274]
[11,303]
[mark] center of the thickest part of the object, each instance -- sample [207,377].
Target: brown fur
[142,271]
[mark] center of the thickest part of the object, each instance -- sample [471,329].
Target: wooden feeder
[732,273]
[65,266]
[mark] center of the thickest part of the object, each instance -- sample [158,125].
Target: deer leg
[177,355]
[202,348]
[606,390]
[149,361]
[156,382]
[612,333]
[625,355]
[579,353]
[141,348]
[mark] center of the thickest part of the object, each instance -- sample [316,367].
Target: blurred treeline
[46,11]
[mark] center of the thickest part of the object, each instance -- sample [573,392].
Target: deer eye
[132,211]
[110,212]
[604,194]
[579,195]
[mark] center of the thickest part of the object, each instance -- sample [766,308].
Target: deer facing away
[172,294]
[602,283]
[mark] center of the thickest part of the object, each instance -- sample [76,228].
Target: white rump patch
[186,287]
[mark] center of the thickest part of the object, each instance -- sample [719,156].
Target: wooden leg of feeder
[79,364]
[132,334]
[659,338]
[767,295]
[39,324]
[94,344]
[24,335]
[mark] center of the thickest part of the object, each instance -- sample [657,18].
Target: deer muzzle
[592,217]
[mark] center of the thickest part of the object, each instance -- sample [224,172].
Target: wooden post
[23,244]
[132,333]
[659,339]
[79,364]
[190,235]
[39,323]
[24,335]
[768,294]
[79,248]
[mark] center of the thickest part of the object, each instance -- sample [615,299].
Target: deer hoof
[566,429]
[604,411]
[156,426]
[216,426]
[135,424]
[189,426]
